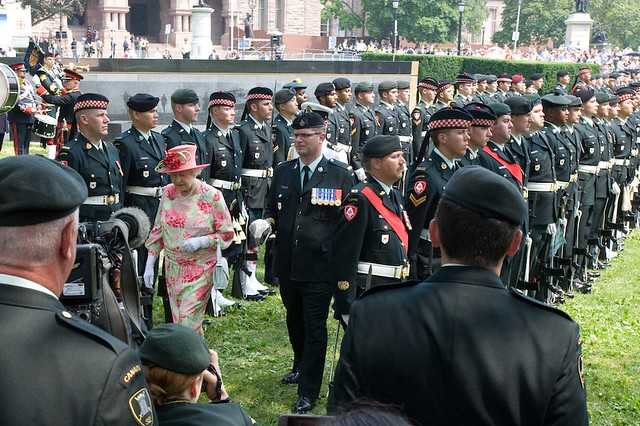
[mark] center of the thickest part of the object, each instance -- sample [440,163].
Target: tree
[41,10]
[539,21]
[342,10]
[619,19]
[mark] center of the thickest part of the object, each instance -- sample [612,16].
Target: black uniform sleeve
[280,148]
[568,404]
[67,99]
[126,163]
[125,399]
[416,206]
[270,211]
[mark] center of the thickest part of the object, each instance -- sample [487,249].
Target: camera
[103,286]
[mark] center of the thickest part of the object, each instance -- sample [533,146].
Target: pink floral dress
[189,276]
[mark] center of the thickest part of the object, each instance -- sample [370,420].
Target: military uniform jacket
[387,119]
[226,163]
[220,414]
[460,101]
[483,97]
[492,164]
[175,135]
[343,115]
[424,192]
[363,235]
[257,149]
[364,128]
[282,137]
[139,158]
[520,152]
[101,171]
[623,143]
[451,335]
[66,103]
[305,228]
[591,150]
[420,117]
[26,100]
[469,158]
[499,96]
[542,205]
[604,180]
[61,370]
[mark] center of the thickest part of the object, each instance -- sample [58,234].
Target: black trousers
[307,305]
[21,135]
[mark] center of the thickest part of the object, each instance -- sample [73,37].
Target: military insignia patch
[343,285]
[93,185]
[141,407]
[416,116]
[592,150]
[419,187]
[350,212]
[223,163]
[64,163]
[443,166]
[562,162]
[536,167]
[145,173]
[256,155]
[384,239]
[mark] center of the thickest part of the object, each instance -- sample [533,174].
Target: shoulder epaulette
[515,293]
[340,164]
[115,344]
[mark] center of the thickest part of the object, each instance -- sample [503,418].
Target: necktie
[154,145]
[396,202]
[305,176]
[192,132]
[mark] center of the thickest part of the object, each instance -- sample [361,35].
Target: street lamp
[460,11]
[395,4]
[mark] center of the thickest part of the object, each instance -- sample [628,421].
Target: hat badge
[302,123]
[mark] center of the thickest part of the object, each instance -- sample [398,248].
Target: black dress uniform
[182,413]
[102,172]
[282,135]
[387,119]
[66,102]
[21,115]
[450,335]
[175,134]
[304,219]
[470,158]
[255,143]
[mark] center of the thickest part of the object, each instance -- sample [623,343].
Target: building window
[324,28]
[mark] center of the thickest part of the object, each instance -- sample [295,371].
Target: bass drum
[44,126]
[9,88]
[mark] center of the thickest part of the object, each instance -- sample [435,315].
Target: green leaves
[41,10]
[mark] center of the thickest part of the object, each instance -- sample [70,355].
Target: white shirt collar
[387,104]
[517,139]
[222,129]
[450,163]
[256,121]
[186,127]
[25,283]
[386,188]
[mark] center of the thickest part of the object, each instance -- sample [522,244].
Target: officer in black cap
[175,358]
[97,161]
[421,114]
[338,127]
[482,95]
[371,241]
[282,132]
[563,79]
[405,131]
[444,95]
[625,149]
[364,124]
[464,90]
[479,132]
[520,107]
[386,112]
[300,89]
[447,333]
[343,92]
[66,101]
[537,80]
[303,210]
[449,131]
[140,150]
[186,106]
[44,346]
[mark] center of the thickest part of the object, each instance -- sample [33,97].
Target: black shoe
[254,297]
[291,378]
[303,405]
[267,292]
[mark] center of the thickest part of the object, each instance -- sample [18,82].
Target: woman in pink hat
[192,219]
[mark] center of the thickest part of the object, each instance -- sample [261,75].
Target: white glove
[615,188]
[194,244]
[260,229]
[361,175]
[551,229]
[148,276]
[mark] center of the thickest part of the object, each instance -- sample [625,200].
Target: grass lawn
[7,148]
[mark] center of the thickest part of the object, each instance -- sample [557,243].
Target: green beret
[486,193]
[34,189]
[308,120]
[534,99]
[500,109]
[602,97]
[184,96]
[575,101]
[519,105]
[363,87]
[380,146]
[283,96]
[403,84]
[385,86]
[176,348]
[555,100]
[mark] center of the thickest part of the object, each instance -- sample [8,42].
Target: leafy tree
[41,10]
[539,20]
[349,17]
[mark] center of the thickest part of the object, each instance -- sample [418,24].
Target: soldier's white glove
[149,275]
[552,229]
[194,244]
[260,229]
[361,175]
[615,188]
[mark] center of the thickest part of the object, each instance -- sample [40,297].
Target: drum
[9,88]
[44,126]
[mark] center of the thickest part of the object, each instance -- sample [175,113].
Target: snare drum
[44,126]
[9,88]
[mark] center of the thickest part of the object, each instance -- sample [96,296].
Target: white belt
[258,173]
[604,165]
[388,271]
[542,186]
[142,190]
[592,170]
[406,139]
[102,200]
[620,162]
[340,147]
[224,184]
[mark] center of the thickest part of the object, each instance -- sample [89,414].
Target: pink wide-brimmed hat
[180,159]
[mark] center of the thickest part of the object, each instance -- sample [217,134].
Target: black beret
[184,96]
[34,189]
[323,89]
[500,109]
[584,93]
[483,115]
[536,76]
[380,146]
[91,101]
[387,85]
[142,102]
[176,348]
[308,120]
[554,100]
[283,96]
[528,83]
[363,87]
[341,83]
[222,99]
[602,97]
[295,85]
[574,101]
[260,94]
[403,84]
[464,79]
[486,193]
[562,73]
[519,105]
[534,99]
[450,118]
